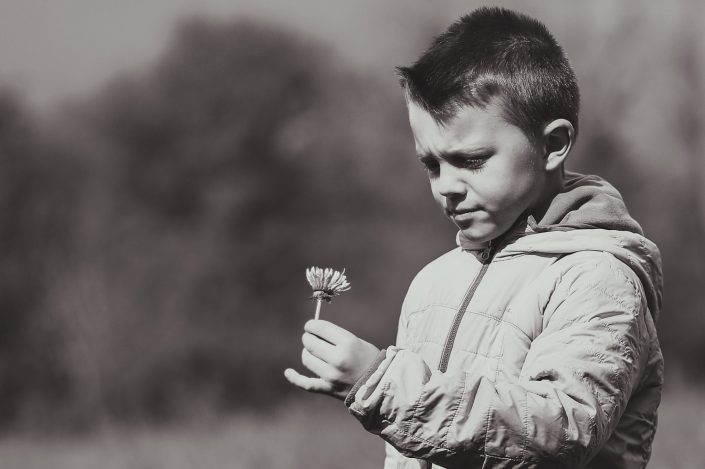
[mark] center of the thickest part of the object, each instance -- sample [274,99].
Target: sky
[51,50]
[55,49]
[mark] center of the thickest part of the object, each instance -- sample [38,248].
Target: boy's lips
[458,211]
[460,216]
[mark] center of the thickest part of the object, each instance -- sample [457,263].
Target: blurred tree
[35,214]
[243,156]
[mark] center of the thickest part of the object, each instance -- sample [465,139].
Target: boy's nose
[449,184]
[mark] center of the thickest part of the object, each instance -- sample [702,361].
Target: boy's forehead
[470,126]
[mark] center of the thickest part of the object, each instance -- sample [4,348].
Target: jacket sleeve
[393,459]
[574,385]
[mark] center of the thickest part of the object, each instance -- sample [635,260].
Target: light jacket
[538,352]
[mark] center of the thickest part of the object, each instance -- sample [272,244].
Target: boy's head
[493,105]
[496,53]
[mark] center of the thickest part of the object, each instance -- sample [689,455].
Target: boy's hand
[336,356]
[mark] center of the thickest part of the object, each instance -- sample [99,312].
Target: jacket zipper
[486,257]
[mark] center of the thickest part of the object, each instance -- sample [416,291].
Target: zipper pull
[486,252]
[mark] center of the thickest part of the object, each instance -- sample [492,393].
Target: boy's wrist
[350,397]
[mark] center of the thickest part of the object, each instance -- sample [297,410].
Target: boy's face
[484,171]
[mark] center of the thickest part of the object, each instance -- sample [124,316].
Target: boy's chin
[478,235]
[483,231]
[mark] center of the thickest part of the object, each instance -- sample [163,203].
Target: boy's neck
[554,186]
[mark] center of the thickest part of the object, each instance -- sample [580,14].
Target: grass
[680,438]
[311,432]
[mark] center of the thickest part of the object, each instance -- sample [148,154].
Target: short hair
[495,52]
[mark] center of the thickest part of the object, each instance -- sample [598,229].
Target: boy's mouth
[461,216]
[451,212]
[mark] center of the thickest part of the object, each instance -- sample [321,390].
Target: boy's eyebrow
[475,152]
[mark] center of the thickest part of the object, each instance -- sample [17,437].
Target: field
[312,432]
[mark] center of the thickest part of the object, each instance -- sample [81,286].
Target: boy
[533,343]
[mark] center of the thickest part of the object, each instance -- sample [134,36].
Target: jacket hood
[589,215]
[587,202]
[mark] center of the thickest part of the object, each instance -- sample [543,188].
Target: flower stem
[318,308]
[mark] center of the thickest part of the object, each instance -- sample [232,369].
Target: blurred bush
[154,236]
[200,190]
[36,218]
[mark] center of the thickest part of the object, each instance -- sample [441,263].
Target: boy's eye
[469,161]
[473,163]
[430,165]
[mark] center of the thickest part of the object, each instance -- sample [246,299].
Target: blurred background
[168,169]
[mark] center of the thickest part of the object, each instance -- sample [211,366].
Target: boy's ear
[559,136]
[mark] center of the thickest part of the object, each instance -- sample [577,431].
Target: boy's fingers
[318,347]
[327,331]
[307,383]
[317,366]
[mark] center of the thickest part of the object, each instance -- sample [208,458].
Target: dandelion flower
[326,283]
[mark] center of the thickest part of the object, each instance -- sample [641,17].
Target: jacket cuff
[350,398]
